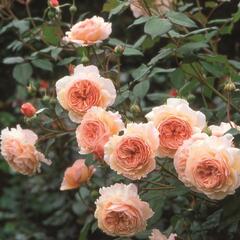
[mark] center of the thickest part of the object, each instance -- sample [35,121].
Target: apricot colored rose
[157,235]
[182,154]
[18,149]
[88,32]
[84,89]
[133,154]
[97,126]
[28,110]
[176,122]
[76,175]
[212,166]
[222,128]
[120,211]
[82,95]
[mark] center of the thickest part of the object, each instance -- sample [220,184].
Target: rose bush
[145,95]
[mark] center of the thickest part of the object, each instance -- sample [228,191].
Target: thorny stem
[97,58]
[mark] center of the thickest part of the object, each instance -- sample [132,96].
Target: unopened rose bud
[28,110]
[135,108]
[73,9]
[53,3]
[71,69]
[79,173]
[230,86]
[173,92]
[44,84]
[118,50]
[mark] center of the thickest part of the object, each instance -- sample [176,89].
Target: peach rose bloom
[120,211]
[133,153]
[76,175]
[176,122]
[222,128]
[97,126]
[88,32]
[18,149]
[213,167]
[84,89]
[158,7]
[182,154]
[157,235]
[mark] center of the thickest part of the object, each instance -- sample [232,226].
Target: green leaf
[132,52]
[139,21]
[165,52]
[51,34]
[141,89]
[13,60]
[180,19]
[214,69]
[140,72]
[66,61]
[109,5]
[189,48]
[119,9]
[156,26]
[43,64]
[23,72]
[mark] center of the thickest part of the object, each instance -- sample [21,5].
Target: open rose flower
[222,128]
[157,235]
[133,154]
[182,154]
[88,32]
[97,126]
[157,7]
[120,211]
[212,166]
[76,175]
[18,149]
[176,122]
[82,90]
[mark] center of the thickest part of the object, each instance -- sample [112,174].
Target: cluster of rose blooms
[208,164]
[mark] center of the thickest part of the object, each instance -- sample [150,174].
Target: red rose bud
[173,92]
[44,84]
[71,69]
[28,110]
[53,3]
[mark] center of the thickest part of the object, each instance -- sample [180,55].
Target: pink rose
[176,122]
[97,126]
[157,7]
[120,211]
[157,235]
[210,165]
[18,149]
[76,175]
[88,32]
[133,153]
[84,89]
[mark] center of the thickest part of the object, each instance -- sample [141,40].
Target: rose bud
[53,3]
[76,175]
[173,92]
[43,84]
[28,110]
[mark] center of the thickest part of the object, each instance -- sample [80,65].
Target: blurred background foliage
[31,56]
